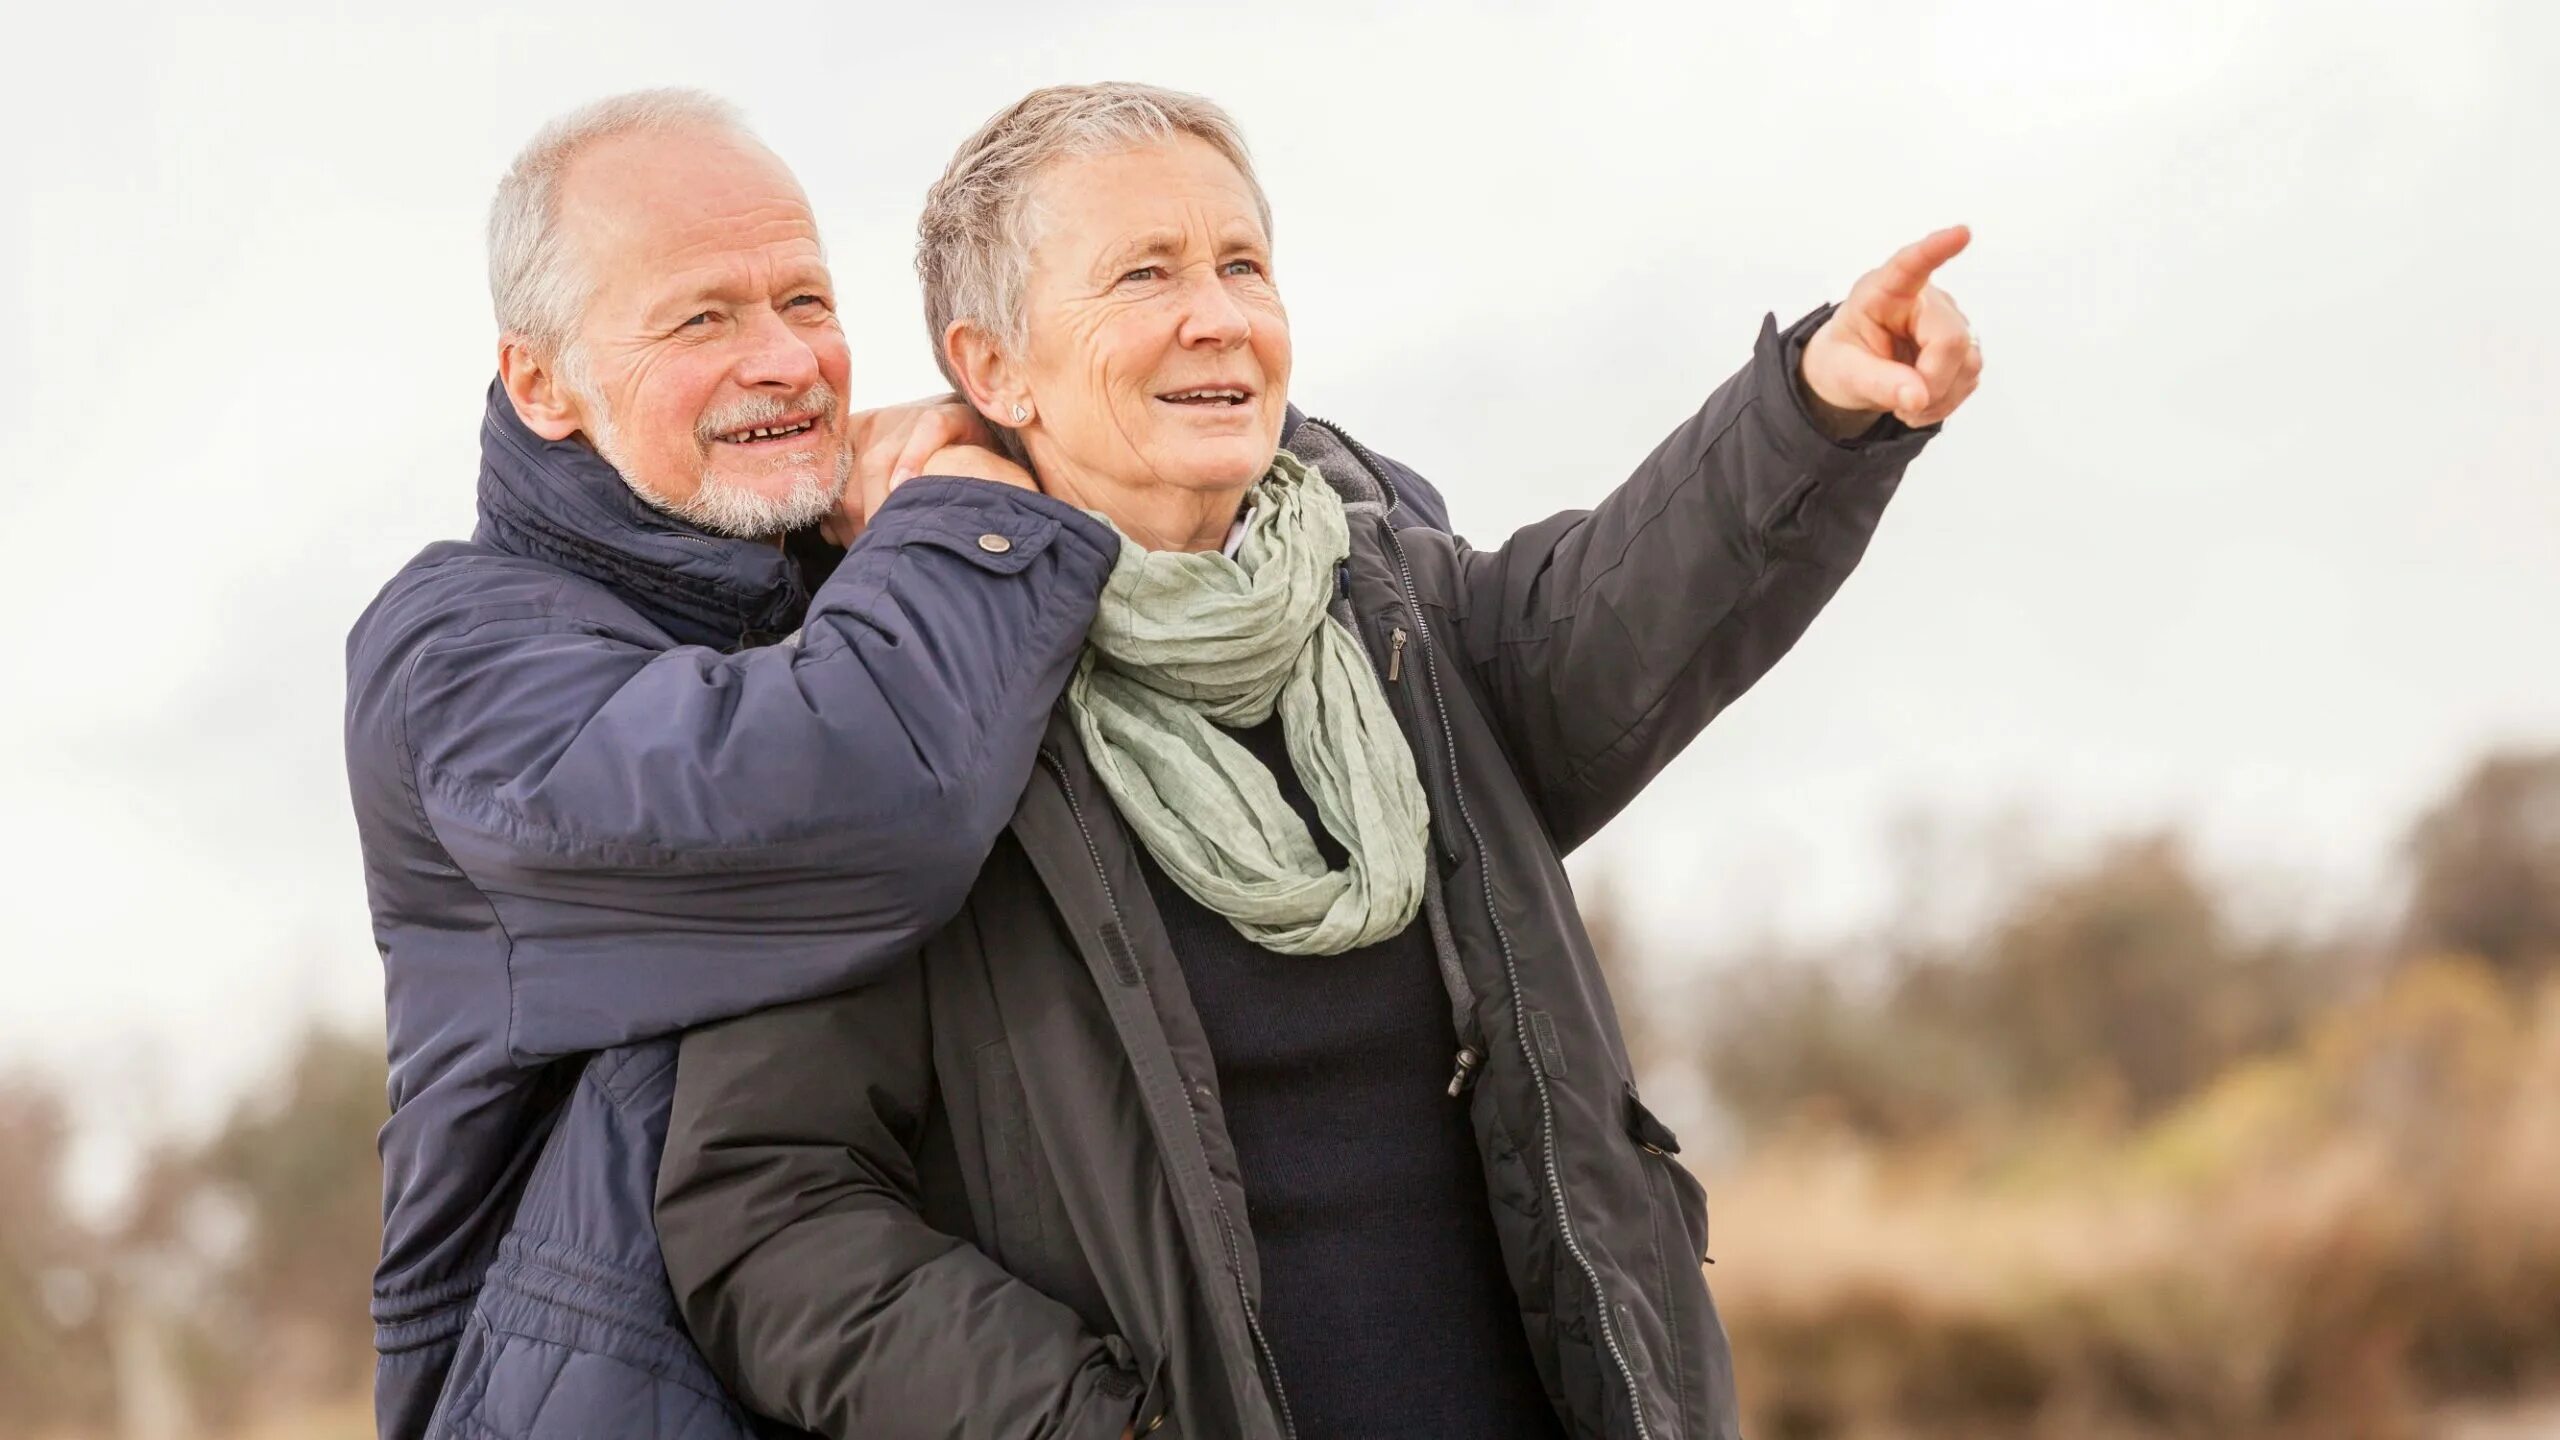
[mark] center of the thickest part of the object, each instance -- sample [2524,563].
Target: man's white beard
[728,509]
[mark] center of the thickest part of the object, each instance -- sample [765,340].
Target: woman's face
[1157,350]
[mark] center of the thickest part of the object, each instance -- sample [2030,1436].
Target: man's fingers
[926,436]
[1907,274]
[944,426]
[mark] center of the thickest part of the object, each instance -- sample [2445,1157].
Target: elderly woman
[1267,1085]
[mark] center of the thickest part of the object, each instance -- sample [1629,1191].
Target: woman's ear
[993,383]
[540,394]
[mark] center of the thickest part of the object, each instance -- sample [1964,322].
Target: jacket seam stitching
[409,770]
[1672,1362]
[1580,777]
[527,1251]
[1757,530]
[610,1322]
[1773,563]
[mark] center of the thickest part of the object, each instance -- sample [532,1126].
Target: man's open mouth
[1212,395]
[769,434]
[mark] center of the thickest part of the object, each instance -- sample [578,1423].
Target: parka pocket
[1688,1196]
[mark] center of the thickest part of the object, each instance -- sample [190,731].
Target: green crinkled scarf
[1186,643]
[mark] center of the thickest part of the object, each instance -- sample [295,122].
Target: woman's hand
[893,445]
[1896,343]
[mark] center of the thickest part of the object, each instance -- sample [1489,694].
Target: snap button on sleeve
[994,544]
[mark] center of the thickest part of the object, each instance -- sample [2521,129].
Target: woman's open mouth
[1209,397]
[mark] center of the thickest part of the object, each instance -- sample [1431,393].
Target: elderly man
[600,803]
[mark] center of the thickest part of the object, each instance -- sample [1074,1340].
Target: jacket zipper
[1217,1200]
[1469,1058]
[1510,962]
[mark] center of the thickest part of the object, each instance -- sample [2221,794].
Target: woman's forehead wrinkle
[1244,229]
[1145,245]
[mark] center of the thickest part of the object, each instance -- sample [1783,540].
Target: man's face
[710,368]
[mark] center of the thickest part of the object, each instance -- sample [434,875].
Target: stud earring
[1020,412]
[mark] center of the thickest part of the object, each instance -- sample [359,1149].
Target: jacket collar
[558,501]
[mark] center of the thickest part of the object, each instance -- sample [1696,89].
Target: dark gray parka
[993,1194]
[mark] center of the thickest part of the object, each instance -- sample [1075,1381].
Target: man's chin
[770,504]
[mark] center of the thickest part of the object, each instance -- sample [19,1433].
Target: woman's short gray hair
[536,282]
[973,246]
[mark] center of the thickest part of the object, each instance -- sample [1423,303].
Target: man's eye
[698,321]
[797,301]
[1244,267]
[1143,272]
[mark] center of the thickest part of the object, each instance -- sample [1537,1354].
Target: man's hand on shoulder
[1896,343]
[893,445]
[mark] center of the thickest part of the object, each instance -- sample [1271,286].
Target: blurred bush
[2109,1166]
[2328,1242]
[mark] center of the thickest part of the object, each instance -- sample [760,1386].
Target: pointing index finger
[1907,273]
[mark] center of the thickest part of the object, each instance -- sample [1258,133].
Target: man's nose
[1211,317]
[778,355]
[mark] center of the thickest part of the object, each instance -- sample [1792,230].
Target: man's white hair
[537,281]
[973,246]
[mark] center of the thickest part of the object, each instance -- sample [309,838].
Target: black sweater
[1384,1295]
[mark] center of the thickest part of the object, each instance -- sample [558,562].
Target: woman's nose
[1211,317]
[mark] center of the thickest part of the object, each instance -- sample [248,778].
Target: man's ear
[992,383]
[541,395]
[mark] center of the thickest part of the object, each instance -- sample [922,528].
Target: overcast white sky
[2254,525]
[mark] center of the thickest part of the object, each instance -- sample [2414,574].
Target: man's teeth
[767,433]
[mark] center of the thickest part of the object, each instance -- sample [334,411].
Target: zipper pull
[1468,1060]
[1395,658]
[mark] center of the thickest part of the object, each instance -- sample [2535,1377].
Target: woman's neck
[1156,516]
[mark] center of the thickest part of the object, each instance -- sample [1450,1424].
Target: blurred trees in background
[264,1235]
[2486,865]
[2118,986]
[53,1349]
[2101,1161]
[233,1291]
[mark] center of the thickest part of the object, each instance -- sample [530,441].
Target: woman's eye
[797,301]
[1244,267]
[1143,272]
[698,321]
